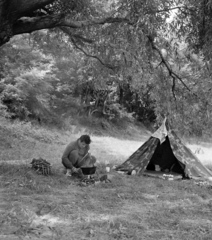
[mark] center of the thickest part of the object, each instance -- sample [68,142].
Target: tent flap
[194,168]
[140,158]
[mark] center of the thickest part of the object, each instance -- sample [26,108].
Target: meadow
[33,206]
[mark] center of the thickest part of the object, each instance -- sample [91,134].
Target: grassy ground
[129,207]
[55,207]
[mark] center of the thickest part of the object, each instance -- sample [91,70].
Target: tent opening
[165,159]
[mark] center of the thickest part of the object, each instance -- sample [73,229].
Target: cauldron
[88,170]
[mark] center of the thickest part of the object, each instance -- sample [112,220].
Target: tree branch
[170,9]
[171,73]
[76,36]
[93,56]
[79,37]
[28,25]
[21,7]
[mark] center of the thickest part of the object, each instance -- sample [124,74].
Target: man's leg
[69,164]
[73,168]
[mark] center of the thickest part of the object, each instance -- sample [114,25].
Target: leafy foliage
[154,55]
[27,81]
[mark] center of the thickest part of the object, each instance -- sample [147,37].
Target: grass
[130,207]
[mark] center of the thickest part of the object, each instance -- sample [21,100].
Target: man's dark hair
[86,139]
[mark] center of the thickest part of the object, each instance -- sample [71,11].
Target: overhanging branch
[73,38]
[28,25]
[170,71]
[79,37]
[93,56]
[21,7]
[171,9]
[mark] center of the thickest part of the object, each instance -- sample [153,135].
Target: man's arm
[87,150]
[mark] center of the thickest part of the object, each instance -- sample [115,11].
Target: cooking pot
[88,170]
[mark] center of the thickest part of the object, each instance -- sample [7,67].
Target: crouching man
[77,156]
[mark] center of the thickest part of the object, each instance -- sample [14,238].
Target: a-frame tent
[165,149]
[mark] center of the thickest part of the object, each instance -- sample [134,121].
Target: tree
[119,33]
[125,39]
[134,25]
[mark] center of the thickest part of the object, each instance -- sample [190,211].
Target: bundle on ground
[41,166]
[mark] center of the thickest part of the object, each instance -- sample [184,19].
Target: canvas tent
[165,149]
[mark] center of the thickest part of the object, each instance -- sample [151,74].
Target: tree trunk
[5,25]
[11,11]
[121,94]
[5,32]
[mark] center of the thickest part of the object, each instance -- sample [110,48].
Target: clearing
[130,207]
